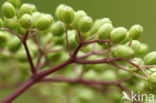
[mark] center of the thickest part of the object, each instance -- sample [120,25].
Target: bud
[123,51]
[127,39]
[152,77]
[21,30]
[21,55]
[143,49]
[57,28]
[26,21]
[1,22]
[59,40]
[58,9]
[135,32]
[85,24]
[104,31]
[10,22]
[43,22]
[72,42]
[109,75]
[67,14]
[27,9]
[78,15]
[118,34]
[14,44]
[3,39]
[150,58]
[8,10]
[135,46]
[35,17]
[98,23]
[16,3]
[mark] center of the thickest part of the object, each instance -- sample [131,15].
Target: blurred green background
[121,12]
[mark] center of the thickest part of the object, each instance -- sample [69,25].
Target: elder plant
[72,49]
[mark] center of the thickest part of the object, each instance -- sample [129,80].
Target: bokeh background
[121,12]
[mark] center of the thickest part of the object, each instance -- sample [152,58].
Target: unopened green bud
[59,40]
[10,23]
[27,9]
[78,15]
[150,58]
[58,10]
[85,24]
[135,32]
[152,77]
[21,30]
[91,74]
[108,75]
[104,31]
[57,28]
[35,16]
[135,46]
[67,14]
[16,3]
[26,21]
[71,38]
[1,22]
[123,51]
[43,22]
[8,10]
[127,39]
[118,34]
[14,44]
[21,55]
[143,49]
[98,23]
[3,39]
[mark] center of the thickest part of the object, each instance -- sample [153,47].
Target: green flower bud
[10,23]
[8,10]
[91,74]
[150,58]
[35,17]
[21,30]
[135,46]
[67,14]
[58,9]
[85,24]
[98,23]
[72,42]
[21,55]
[78,15]
[43,22]
[16,3]
[118,34]
[26,21]
[123,74]
[54,56]
[1,22]
[143,49]
[83,35]
[127,39]
[123,51]
[3,39]
[59,40]
[135,32]
[51,19]
[27,9]
[57,28]
[104,31]
[152,77]
[109,75]
[14,44]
